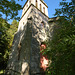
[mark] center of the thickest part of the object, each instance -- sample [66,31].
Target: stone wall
[25,55]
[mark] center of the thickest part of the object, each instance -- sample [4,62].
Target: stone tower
[24,58]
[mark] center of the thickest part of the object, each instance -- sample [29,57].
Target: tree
[61,49]
[67,10]
[12,30]
[7,32]
[10,9]
[4,26]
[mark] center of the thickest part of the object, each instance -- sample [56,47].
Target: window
[42,24]
[27,5]
[29,2]
[40,7]
[44,9]
[23,23]
[36,3]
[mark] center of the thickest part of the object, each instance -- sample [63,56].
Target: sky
[52,5]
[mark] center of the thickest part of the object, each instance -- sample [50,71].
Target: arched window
[36,3]
[40,7]
[44,10]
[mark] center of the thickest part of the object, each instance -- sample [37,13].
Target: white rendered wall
[25,7]
[24,19]
[38,5]
[39,19]
[46,9]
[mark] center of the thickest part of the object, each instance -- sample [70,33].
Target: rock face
[25,55]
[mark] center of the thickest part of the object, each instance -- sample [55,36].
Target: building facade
[33,29]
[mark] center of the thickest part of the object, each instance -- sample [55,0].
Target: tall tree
[10,9]
[12,30]
[4,43]
[61,49]
[7,32]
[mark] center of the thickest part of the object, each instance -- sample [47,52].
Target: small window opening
[40,7]
[44,9]
[30,18]
[27,5]
[36,3]
[42,24]
[23,23]
[29,1]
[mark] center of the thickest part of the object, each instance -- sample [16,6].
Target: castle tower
[33,27]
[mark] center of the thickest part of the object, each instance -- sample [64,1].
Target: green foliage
[4,26]
[10,9]
[67,10]
[12,30]
[61,49]
[7,32]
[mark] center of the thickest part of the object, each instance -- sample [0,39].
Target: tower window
[23,23]
[44,9]
[40,7]
[29,2]
[36,3]
[27,5]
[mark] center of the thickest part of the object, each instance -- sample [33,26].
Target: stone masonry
[24,58]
